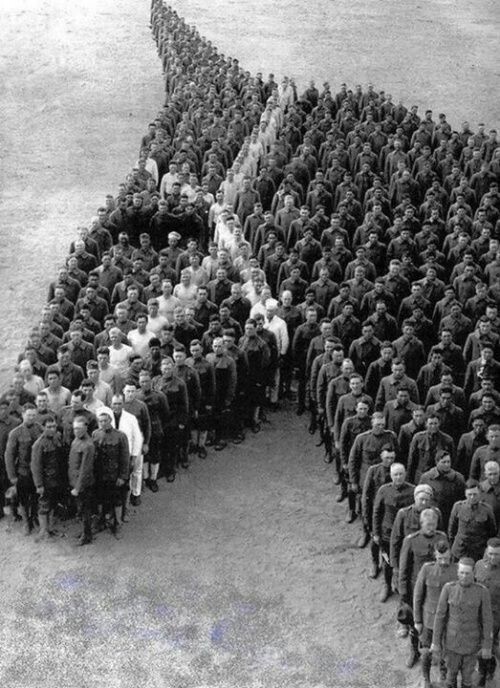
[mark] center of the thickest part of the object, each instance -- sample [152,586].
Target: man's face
[472,495]
[387,458]
[79,429]
[444,464]
[432,425]
[429,524]
[403,397]
[104,421]
[29,416]
[129,392]
[422,500]
[443,558]
[378,424]
[356,385]
[465,575]
[493,555]
[64,358]
[398,371]
[494,438]
[117,404]
[445,399]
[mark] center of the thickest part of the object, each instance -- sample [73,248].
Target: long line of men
[334,247]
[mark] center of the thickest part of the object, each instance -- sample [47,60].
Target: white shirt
[278,327]
[155,324]
[166,183]
[167,305]
[140,341]
[119,358]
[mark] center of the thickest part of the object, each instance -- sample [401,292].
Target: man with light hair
[119,353]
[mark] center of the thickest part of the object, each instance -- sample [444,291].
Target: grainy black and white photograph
[250,351]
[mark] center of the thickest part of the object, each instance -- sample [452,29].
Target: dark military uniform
[418,548]
[177,397]
[366,451]
[46,461]
[389,500]
[490,495]
[447,488]
[376,476]
[157,405]
[463,625]
[112,462]
[470,528]
[426,591]
[81,478]
[18,465]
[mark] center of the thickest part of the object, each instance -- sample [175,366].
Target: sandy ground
[242,573]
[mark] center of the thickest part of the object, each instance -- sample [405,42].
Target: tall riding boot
[340,475]
[27,521]
[426,668]
[44,534]
[482,667]
[375,557]
[343,493]
[125,502]
[50,524]
[414,653]
[116,525]
[351,500]
[387,589]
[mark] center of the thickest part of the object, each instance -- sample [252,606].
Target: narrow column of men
[339,251]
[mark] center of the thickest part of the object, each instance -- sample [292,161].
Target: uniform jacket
[427,590]
[81,464]
[422,454]
[470,528]
[46,459]
[463,621]
[18,450]
[416,551]
[366,451]
[489,576]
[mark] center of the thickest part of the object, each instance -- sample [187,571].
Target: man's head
[428,521]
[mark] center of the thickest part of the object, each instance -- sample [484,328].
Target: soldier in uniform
[351,428]
[81,475]
[418,548]
[7,423]
[389,500]
[224,368]
[487,572]
[376,476]
[425,446]
[177,397]
[46,461]
[430,580]
[463,625]
[472,523]
[158,410]
[17,463]
[112,469]
[490,488]
[448,485]
[364,453]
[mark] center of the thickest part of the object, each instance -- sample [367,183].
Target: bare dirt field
[241,574]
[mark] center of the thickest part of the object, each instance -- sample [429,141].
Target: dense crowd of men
[337,250]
